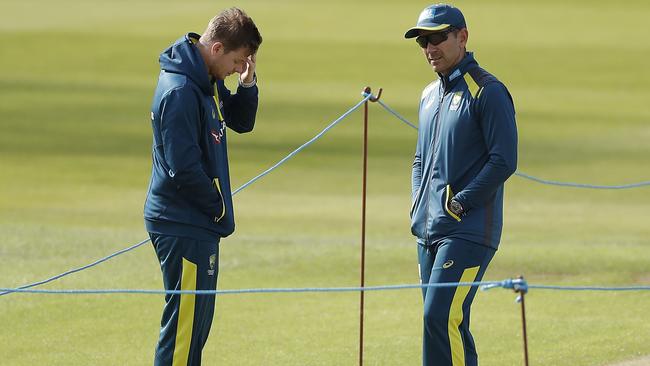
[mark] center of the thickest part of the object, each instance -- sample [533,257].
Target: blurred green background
[76,81]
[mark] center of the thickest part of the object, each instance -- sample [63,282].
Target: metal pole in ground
[523,320]
[363,224]
[521,289]
[367,91]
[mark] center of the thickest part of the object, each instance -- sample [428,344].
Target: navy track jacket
[467,148]
[189,192]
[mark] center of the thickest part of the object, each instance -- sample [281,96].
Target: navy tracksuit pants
[186,264]
[447,340]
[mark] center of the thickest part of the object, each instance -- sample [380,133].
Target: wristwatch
[456,208]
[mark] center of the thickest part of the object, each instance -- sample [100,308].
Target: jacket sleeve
[416,174]
[497,122]
[239,109]
[180,126]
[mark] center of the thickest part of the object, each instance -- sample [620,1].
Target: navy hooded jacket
[189,192]
[466,149]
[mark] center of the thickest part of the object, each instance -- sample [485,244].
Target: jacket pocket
[449,194]
[217,186]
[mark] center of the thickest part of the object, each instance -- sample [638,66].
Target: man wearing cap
[466,150]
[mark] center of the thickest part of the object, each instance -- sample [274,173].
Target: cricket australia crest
[213,261]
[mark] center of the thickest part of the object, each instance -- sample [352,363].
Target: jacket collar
[450,80]
[193,38]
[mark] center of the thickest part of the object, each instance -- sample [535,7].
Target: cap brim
[415,31]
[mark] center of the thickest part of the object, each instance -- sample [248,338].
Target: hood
[183,57]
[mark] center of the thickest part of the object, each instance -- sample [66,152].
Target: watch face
[456,207]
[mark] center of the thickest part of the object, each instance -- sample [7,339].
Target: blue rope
[581,185]
[318,136]
[394,113]
[589,288]
[518,285]
[261,290]
[533,178]
[7,291]
[296,151]
[514,284]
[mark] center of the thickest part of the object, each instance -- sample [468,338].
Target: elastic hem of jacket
[423,242]
[253,90]
[180,229]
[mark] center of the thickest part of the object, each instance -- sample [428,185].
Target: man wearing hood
[189,207]
[466,149]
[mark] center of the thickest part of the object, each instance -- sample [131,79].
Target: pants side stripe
[185,315]
[456,317]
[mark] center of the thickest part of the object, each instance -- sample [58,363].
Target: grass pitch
[75,88]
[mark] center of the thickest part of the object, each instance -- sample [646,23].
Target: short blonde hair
[234,29]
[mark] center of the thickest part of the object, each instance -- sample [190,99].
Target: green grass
[75,88]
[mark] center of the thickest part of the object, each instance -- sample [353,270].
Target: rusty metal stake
[373,99]
[522,289]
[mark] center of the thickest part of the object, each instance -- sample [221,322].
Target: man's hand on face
[249,71]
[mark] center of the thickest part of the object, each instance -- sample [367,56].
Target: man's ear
[217,48]
[464,35]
